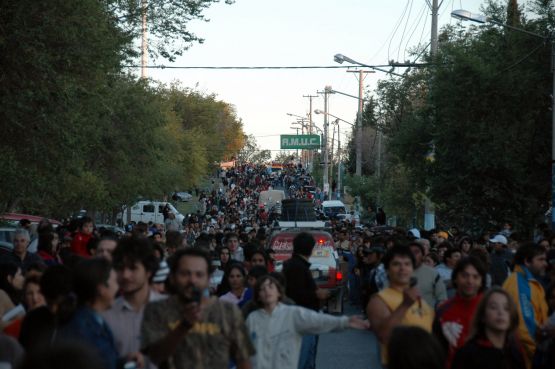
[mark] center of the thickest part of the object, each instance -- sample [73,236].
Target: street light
[318,111]
[305,125]
[337,119]
[479,18]
[466,15]
[295,115]
[340,58]
[307,155]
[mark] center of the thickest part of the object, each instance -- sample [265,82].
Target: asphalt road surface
[350,349]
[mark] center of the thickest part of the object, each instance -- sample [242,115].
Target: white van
[149,211]
[271,199]
[332,208]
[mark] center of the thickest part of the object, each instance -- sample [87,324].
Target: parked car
[117,230]
[182,196]
[16,217]
[325,266]
[148,211]
[6,239]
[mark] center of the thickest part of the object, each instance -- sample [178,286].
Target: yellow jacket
[536,296]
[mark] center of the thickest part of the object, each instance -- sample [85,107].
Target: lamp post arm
[505,25]
[371,67]
[346,94]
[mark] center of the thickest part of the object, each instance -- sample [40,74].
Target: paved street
[348,349]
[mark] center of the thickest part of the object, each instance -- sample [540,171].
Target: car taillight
[321,241]
[338,276]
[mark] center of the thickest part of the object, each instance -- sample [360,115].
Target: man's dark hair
[416,244]
[413,347]
[140,229]
[476,263]
[397,250]
[131,250]
[56,282]
[92,245]
[445,244]
[174,260]
[158,247]
[229,236]
[87,276]
[85,220]
[251,249]
[449,253]
[24,222]
[174,239]
[45,242]
[528,251]
[303,244]
[280,277]
[107,234]
[258,271]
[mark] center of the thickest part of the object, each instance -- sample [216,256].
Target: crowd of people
[207,294]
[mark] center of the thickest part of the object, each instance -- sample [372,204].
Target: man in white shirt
[135,263]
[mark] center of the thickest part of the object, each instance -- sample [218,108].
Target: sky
[299,33]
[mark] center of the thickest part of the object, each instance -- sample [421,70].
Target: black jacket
[479,353]
[300,287]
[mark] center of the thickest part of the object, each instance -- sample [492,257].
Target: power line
[404,30]
[533,51]
[254,67]
[396,28]
[414,27]
[391,34]
[423,29]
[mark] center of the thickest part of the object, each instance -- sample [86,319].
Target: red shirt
[14,328]
[453,321]
[79,244]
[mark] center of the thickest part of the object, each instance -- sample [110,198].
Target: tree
[167,22]
[481,117]
[80,133]
[251,153]
[369,139]
[53,58]
[285,157]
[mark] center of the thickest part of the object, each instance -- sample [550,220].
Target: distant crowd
[207,293]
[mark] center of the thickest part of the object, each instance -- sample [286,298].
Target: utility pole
[379,164]
[310,159]
[433,41]
[429,211]
[331,156]
[144,43]
[338,196]
[358,165]
[325,178]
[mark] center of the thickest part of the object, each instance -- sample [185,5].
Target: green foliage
[79,133]
[474,132]
[251,153]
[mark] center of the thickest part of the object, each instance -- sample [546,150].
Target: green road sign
[301,142]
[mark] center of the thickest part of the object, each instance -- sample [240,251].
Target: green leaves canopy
[79,133]
[473,133]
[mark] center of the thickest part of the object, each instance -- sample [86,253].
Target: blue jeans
[307,360]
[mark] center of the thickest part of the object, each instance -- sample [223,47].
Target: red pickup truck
[324,263]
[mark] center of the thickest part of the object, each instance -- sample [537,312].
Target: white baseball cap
[499,239]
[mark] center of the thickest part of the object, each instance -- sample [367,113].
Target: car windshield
[335,210]
[323,256]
